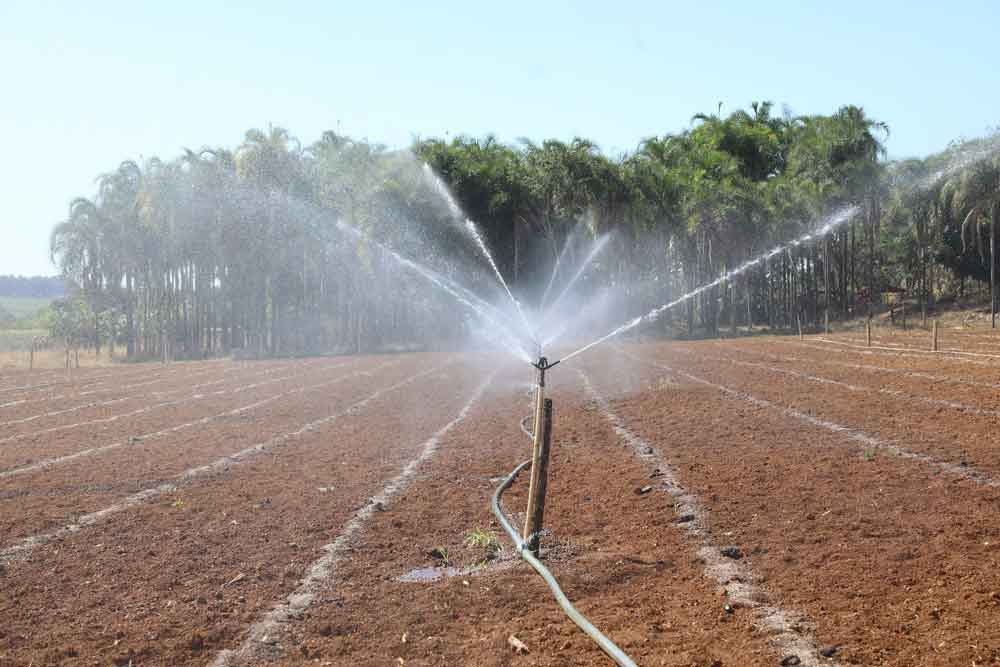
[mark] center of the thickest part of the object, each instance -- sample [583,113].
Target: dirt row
[76,433]
[32,421]
[894,562]
[615,553]
[76,396]
[945,432]
[151,584]
[44,499]
[888,560]
[48,382]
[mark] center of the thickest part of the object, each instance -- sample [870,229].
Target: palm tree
[976,201]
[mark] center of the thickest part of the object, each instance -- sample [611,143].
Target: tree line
[276,248]
[35,287]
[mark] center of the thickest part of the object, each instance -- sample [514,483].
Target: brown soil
[887,560]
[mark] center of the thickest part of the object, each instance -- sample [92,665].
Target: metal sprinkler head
[543,364]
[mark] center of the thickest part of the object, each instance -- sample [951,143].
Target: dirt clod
[517,645]
[733,552]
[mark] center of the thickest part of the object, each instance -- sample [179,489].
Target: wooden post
[868,332]
[826,322]
[31,357]
[535,518]
[934,334]
[798,322]
[536,451]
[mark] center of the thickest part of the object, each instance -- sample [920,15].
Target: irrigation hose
[606,644]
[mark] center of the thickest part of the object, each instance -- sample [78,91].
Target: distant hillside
[34,287]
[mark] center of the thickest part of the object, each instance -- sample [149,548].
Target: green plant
[441,553]
[484,540]
[868,455]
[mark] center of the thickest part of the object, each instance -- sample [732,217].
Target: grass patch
[22,306]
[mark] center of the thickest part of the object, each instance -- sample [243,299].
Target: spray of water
[470,226]
[570,239]
[834,221]
[528,329]
[442,190]
[980,150]
[541,338]
[501,333]
[594,251]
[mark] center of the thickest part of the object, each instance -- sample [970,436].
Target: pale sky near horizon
[87,85]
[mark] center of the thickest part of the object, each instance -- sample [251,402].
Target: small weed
[868,455]
[486,542]
[480,538]
[441,554]
[177,504]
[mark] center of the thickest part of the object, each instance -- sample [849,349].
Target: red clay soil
[895,562]
[616,553]
[47,498]
[947,433]
[889,560]
[149,583]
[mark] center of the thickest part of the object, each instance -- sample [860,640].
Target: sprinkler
[528,545]
[543,365]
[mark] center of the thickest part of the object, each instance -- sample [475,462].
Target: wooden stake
[536,449]
[934,334]
[535,518]
[826,323]
[798,321]
[868,332]
[31,359]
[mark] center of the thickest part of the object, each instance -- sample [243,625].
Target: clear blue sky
[88,84]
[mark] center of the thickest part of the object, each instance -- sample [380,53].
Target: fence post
[868,332]
[31,357]
[934,336]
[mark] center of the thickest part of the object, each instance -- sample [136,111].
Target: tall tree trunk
[993,266]
[826,278]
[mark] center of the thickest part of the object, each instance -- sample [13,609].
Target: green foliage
[19,307]
[243,247]
[481,538]
[71,321]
